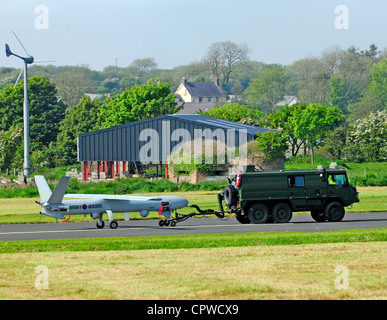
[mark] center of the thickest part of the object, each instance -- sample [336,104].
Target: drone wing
[109,197]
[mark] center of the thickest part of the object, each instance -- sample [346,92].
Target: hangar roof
[224,124]
[125,142]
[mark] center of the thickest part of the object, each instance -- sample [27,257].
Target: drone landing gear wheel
[113,225]
[167,223]
[100,224]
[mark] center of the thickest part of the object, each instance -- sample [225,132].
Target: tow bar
[182,217]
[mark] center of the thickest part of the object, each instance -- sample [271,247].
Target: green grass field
[227,266]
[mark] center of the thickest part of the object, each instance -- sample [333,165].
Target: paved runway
[137,228]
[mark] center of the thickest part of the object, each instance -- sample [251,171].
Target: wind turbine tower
[26,106]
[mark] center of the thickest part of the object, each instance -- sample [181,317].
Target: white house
[199,95]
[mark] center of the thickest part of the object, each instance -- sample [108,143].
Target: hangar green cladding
[259,197]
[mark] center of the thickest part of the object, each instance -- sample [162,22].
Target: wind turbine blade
[18,78]
[44,61]
[25,50]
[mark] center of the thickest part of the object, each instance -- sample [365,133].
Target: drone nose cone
[185,201]
[181,202]
[176,202]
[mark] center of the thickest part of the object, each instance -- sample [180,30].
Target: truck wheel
[258,213]
[242,219]
[318,215]
[230,195]
[334,212]
[282,213]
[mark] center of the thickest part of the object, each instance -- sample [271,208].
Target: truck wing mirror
[323,175]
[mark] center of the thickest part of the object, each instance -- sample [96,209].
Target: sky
[100,33]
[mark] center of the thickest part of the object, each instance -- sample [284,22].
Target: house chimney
[184,81]
[216,80]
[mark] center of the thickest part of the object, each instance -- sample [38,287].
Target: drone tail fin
[44,188]
[59,191]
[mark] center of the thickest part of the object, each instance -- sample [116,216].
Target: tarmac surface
[138,228]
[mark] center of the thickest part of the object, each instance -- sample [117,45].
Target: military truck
[273,196]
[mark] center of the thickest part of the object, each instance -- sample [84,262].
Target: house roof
[204,89]
[193,107]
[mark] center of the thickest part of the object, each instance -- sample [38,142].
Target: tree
[128,82]
[46,110]
[267,89]
[80,119]
[9,141]
[223,58]
[354,70]
[272,145]
[375,95]
[71,85]
[111,84]
[281,119]
[336,96]
[314,122]
[137,103]
[233,112]
[310,79]
[377,88]
[367,141]
[11,106]
[140,68]
[145,64]
[335,142]
[372,53]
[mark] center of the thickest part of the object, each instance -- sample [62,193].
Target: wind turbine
[26,105]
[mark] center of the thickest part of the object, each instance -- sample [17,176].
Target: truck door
[296,191]
[338,186]
[316,191]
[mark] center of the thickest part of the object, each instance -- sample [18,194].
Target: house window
[200,99]
[209,99]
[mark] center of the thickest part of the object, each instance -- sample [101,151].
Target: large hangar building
[114,151]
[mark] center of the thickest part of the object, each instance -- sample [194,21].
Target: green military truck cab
[259,197]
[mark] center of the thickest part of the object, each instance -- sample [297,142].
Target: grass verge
[194,241]
[304,271]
